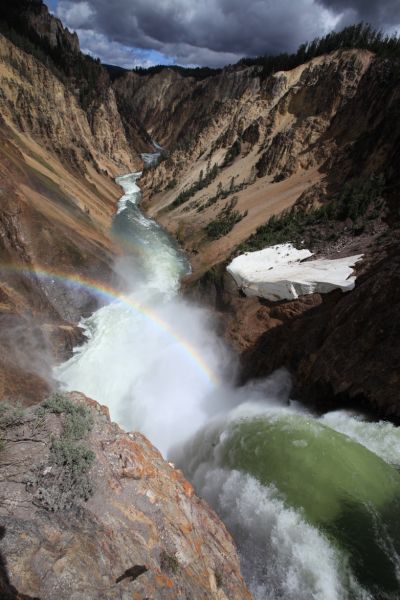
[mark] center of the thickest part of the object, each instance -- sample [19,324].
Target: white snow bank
[277,273]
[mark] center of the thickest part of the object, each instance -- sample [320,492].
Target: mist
[152,357]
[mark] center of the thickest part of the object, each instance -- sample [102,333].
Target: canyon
[225,162]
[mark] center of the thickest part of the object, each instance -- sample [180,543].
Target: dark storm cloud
[215,32]
[383,14]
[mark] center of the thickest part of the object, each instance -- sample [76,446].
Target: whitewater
[312,501]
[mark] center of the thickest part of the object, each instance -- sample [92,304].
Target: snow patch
[278,273]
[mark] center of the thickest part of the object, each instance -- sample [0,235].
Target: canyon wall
[58,198]
[314,140]
[291,138]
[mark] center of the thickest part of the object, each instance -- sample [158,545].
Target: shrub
[10,415]
[68,478]
[357,201]
[78,420]
[202,182]
[169,562]
[77,459]
[56,403]
[225,221]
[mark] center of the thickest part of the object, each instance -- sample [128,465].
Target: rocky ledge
[88,511]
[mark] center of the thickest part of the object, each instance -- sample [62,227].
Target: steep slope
[343,351]
[57,205]
[271,139]
[244,146]
[55,118]
[127,526]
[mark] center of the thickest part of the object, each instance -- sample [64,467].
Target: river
[312,502]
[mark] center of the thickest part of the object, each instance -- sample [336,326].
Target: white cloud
[74,14]
[113,53]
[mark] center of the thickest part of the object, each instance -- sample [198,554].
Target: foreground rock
[277,273]
[142,533]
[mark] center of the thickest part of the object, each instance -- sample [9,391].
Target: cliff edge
[88,511]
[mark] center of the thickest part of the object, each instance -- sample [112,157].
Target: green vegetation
[223,193]
[232,153]
[225,221]
[67,481]
[172,184]
[78,420]
[202,182]
[76,459]
[169,562]
[361,36]
[358,202]
[9,416]
[198,73]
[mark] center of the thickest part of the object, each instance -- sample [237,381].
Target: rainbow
[110,294]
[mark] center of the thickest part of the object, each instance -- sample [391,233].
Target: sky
[130,33]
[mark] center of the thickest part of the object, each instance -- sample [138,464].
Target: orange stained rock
[100,408]
[138,472]
[186,528]
[188,489]
[164,581]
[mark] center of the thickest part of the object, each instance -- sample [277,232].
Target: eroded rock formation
[141,533]
[57,202]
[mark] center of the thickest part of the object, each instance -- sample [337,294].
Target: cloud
[382,14]
[75,13]
[113,53]
[217,32]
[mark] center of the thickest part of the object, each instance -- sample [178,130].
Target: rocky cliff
[55,118]
[59,152]
[102,518]
[318,144]
[33,17]
[272,140]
